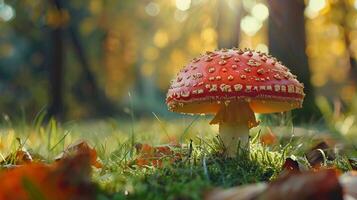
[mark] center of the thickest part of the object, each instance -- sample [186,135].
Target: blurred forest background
[95,58]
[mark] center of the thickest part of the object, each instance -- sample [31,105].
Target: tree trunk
[89,92]
[56,69]
[352,60]
[228,25]
[287,43]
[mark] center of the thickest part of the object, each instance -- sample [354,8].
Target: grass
[201,168]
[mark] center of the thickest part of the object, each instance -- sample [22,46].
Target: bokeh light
[7,13]
[183,4]
[152,9]
[250,25]
[314,7]
[260,11]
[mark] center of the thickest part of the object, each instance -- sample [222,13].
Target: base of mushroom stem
[234,135]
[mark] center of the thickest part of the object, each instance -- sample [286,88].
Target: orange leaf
[80,147]
[66,179]
[155,155]
[269,138]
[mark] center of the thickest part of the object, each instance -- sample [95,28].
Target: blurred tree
[347,26]
[228,24]
[87,89]
[287,43]
[55,65]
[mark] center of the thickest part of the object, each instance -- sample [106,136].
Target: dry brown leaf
[246,192]
[20,157]
[318,153]
[289,166]
[80,147]
[320,185]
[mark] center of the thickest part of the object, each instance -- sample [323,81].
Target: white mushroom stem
[233,134]
[235,119]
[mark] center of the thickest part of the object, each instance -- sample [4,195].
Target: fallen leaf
[80,147]
[268,138]
[66,179]
[246,192]
[148,155]
[19,157]
[320,185]
[316,156]
[289,166]
[349,183]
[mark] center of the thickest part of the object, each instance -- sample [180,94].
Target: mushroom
[233,84]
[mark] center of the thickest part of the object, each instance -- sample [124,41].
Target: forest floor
[156,159]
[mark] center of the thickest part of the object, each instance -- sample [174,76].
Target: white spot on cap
[225,57]
[195,60]
[276,88]
[185,94]
[260,71]
[225,88]
[290,88]
[238,87]
[222,62]
[277,76]
[208,59]
[213,88]
[253,63]
[283,88]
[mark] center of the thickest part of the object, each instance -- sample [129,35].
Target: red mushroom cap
[234,75]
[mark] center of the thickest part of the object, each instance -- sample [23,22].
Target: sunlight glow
[183,4]
[161,38]
[248,4]
[152,9]
[180,16]
[262,47]
[314,7]
[209,35]
[260,11]
[250,25]
[232,4]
